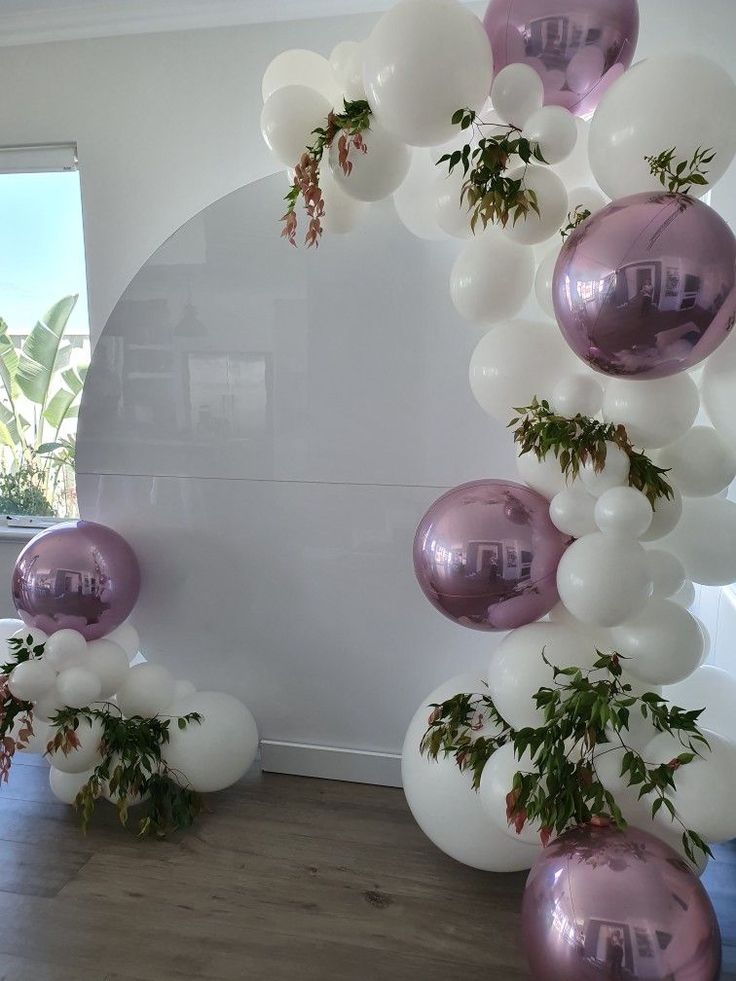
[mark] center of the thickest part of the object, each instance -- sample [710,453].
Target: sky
[41,248]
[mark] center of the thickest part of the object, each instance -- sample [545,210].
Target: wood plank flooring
[285,878]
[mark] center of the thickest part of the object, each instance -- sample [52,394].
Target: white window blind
[38,159]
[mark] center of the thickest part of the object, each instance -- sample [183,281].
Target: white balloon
[517,93]
[574,171]
[664,644]
[553,130]
[346,62]
[572,512]
[341,211]
[544,476]
[424,60]
[719,389]
[575,394]
[182,688]
[676,100]
[700,463]
[66,786]
[109,663]
[444,804]
[685,595]
[31,679]
[655,412]
[216,752]
[517,670]
[77,687]
[603,579]
[450,213]
[491,278]
[415,199]
[9,627]
[623,511]
[288,118]
[376,173]
[543,280]
[705,795]
[586,199]
[48,705]
[704,540]
[302,68]
[125,636]
[666,571]
[30,636]
[87,755]
[496,782]
[713,690]
[614,473]
[146,691]
[551,201]
[515,361]
[667,512]
[65,649]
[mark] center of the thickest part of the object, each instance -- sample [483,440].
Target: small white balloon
[718,387]
[685,595]
[65,649]
[288,118]
[496,783]
[31,679]
[346,61]
[553,130]
[303,68]
[66,786]
[30,636]
[614,473]
[664,644]
[109,663]
[491,278]
[48,705]
[603,579]
[517,93]
[87,754]
[216,752]
[667,513]
[700,463]
[655,412]
[77,687]
[544,475]
[9,627]
[713,690]
[375,174]
[544,278]
[146,691]
[704,539]
[450,213]
[577,394]
[551,201]
[125,636]
[182,688]
[572,512]
[342,213]
[666,571]
[415,198]
[574,171]
[623,511]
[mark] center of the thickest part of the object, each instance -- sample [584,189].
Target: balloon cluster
[74,586]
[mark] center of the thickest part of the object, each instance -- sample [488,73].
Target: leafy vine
[680,176]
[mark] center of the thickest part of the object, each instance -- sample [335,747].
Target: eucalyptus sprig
[679,176]
[574,218]
[132,768]
[575,441]
[347,127]
[490,195]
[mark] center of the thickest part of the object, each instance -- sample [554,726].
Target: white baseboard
[331,763]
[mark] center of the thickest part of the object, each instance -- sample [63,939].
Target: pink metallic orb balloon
[78,575]
[486,555]
[603,903]
[646,287]
[577,47]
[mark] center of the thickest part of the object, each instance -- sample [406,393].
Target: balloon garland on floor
[129,733]
[590,718]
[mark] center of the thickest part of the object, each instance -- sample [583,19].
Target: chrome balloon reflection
[603,903]
[80,575]
[577,47]
[646,287]
[486,555]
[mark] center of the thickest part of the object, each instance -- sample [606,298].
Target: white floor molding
[331,763]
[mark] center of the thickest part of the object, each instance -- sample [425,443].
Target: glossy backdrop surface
[267,426]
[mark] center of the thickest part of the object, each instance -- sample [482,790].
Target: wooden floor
[285,878]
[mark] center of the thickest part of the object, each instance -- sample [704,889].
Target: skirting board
[331,763]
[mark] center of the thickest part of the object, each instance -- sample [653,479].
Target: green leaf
[57,409]
[38,359]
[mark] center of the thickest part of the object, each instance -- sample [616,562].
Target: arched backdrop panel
[266,426]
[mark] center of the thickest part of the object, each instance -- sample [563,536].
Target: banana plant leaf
[38,359]
[8,363]
[58,407]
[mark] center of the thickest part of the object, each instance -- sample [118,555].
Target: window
[44,332]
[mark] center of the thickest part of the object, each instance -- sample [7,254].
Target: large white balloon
[655,412]
[146,691]
[700,463]
[515,361]
[666,571]
[705,795]
[109,663]
[544,278]
[66,786]
[667,512]
[553,130]
[676,100]
[346,62]
[551,201]
[424,60]
[31,679]
[491,278]
[517,93]
[544,475]
[614,473]
[304,68]
[217,752]
[586,199]
[573,511]
[704,540]
[415,198]
[288,118]
[496,782]
[376,173]
[517,670]
[342,212]
[712,689]
[623,511]
[444,804]
[78,687]
[125,636]
[450,213]
[603,579]
[577,394]
[719,390]
[87,755]
[65,649]
[664,644]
